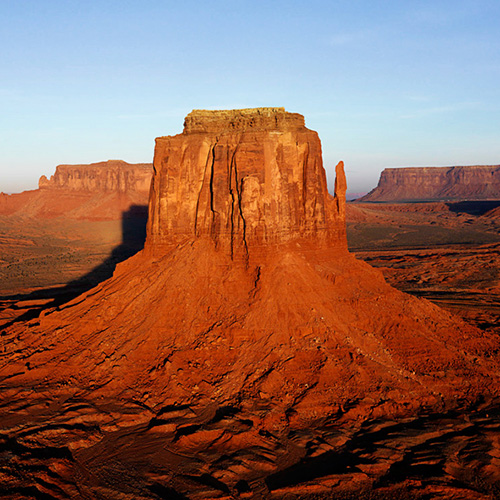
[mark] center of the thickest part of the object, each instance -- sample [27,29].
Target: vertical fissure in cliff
[231,193]
[239,190]
[305,184]
[236,203]
[200,192]
[213,231]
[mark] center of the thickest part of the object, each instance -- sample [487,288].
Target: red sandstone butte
[436,184]
[243,178]
[245,297]
[246,265]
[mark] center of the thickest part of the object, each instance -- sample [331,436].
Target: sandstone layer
[244,352]
[436,184]
[99,191]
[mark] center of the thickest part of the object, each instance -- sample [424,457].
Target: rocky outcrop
[436,184]
[244,350]
[109,176]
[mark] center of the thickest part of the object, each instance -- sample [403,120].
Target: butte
[244,321]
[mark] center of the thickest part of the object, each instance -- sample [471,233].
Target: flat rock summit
[244,351]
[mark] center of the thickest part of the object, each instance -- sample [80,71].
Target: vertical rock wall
[243,178]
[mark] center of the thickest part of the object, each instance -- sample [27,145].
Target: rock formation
[113,175]
[247,177]
[436,184]
[102,191]
[244,350]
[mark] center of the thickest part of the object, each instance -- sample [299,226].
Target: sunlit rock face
[99,191]
[437,184]
[107,176]
[243,178]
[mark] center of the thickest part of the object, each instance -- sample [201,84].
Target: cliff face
[437,183]
[244,346]
[243,177]
[109,176]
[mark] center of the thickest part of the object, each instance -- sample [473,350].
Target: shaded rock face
[111,175]
[437,184]
[244,350]
[243,178]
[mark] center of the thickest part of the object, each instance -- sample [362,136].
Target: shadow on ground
[134,222]
[473,207]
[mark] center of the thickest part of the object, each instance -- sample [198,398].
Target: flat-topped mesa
[208,121]
[243,178]
[106,176]
[413,184]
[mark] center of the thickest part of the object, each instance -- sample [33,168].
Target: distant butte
[244,347]
[414,184]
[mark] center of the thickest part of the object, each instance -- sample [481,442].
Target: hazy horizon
[392,85]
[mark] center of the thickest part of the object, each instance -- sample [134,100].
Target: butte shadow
[244,339]
[30,305]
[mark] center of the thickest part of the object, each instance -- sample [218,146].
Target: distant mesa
[99,191]
[107,176]
[414,184]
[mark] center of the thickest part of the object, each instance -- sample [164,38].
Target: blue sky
[384,83]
